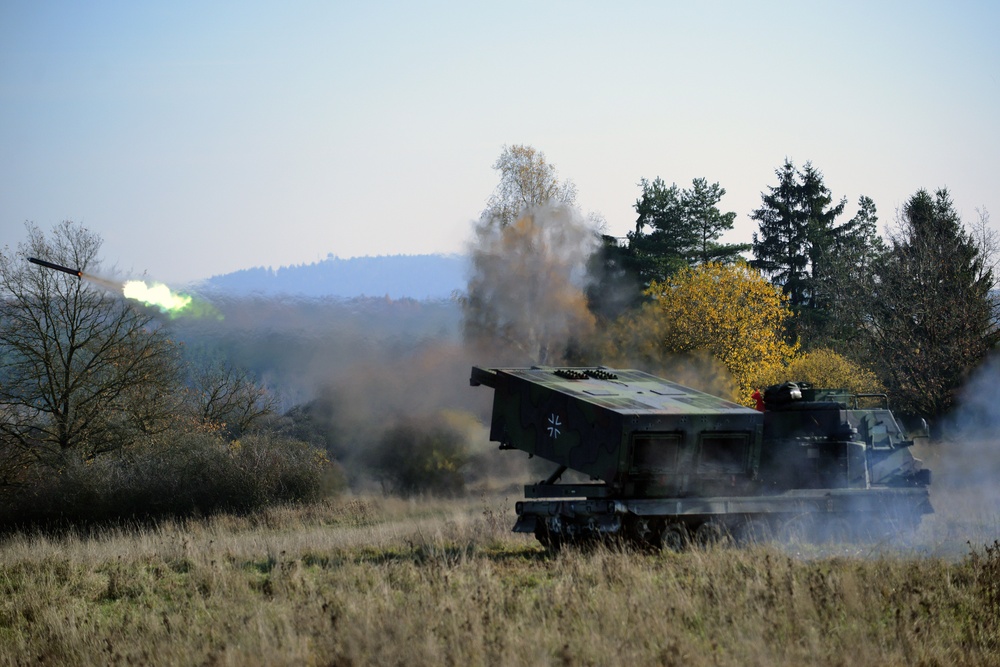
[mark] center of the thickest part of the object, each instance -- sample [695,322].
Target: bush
[192,473]
[276,469]
[420,456]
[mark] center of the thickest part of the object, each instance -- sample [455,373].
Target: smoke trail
[106,283]
[978,416]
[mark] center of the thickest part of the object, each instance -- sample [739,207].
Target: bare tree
[987,241]
[527,181]
[529,259]
[526,292]
[84,371]
[229,398]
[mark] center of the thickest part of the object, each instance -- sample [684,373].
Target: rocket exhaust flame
[156,294]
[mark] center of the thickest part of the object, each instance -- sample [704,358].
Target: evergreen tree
[612,280]
[677,229]
[797,235]
[781,247]
[849,283]
[701,207]
[932,318]
[822,232]
[662,241]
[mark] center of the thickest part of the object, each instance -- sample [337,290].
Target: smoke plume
[966,462]
[526,292]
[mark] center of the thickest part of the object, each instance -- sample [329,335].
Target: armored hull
[669,464]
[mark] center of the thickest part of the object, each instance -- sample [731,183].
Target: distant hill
[422,277]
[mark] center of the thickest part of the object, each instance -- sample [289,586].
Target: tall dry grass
[431,582]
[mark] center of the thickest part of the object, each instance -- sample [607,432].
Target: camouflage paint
[672,464]
[588,420]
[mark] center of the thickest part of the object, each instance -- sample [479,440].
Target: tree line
[912,313]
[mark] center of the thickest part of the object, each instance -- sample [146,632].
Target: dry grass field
[378,581]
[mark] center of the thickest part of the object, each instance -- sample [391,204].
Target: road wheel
[642,531]
[674,537]
[711,534]
[549,533]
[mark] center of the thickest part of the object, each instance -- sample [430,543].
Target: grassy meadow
[366,581]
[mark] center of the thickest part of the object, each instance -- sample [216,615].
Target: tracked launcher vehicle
[669,465]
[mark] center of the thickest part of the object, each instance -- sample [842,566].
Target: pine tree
[822,232]
[662,240]
[849,283]
[797,234]
[677,228]
[933,319]
[701,207]
[781,247]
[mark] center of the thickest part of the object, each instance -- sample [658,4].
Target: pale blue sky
[199,138]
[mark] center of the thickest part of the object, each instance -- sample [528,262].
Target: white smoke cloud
[965,464]
[527,286]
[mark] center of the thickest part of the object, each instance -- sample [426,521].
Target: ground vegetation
[368,581]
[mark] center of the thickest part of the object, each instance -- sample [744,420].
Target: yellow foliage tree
[827,370]
[635,340]
[727,311]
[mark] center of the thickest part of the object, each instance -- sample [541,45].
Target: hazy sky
[198,138]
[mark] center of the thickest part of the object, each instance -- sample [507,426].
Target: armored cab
[829,439]
[890,462]
[669,464]
[811,443]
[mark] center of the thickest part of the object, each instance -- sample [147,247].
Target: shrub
[279,469]
[423,455]
[187,474]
